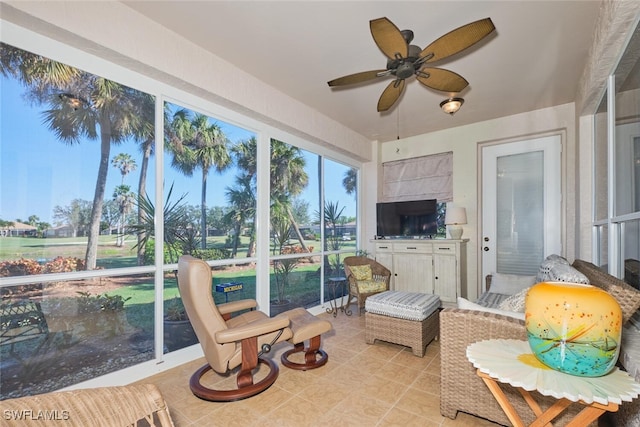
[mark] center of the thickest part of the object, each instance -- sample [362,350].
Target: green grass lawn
[109,255]
[303,290]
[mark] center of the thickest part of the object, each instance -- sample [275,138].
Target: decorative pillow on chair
[468,305]
[361,272]
[514,302]
[510,284]
[369,286]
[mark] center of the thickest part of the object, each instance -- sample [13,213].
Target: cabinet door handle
[444,249]
[383,247]
[411,247]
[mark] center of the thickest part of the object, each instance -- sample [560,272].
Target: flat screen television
[407,219]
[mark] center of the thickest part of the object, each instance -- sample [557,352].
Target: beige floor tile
[295,412]
[364,407]
[383,389]
[394,372]
[378,385]
[427,382]
[401,418]
[421,403]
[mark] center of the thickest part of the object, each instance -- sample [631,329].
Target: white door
[521,205]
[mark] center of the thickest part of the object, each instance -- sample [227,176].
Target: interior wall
[464,142]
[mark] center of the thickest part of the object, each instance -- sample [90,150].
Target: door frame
[561,134]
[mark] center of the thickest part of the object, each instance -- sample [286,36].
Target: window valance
[418,178]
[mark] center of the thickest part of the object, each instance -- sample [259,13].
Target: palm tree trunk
[296,230]
[236,240]
[91,256]
[203,211]
[142,190]
[252,239]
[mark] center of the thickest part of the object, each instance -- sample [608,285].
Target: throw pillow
[553,271]
[557,259]
[468,305]
[371,286]
[514,302]
[510,284]
[361,272]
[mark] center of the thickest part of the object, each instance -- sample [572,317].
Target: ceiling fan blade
[458,40]
[441,79]
[391,94]
[388,38]
[355,78]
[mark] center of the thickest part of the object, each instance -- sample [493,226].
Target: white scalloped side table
[512,362]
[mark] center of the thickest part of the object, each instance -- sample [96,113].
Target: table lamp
[454,218]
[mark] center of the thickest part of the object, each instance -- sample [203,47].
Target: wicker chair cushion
[403,305]
[369,286]
[361,272]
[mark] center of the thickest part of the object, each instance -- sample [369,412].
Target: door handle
[486,239]
[486,249]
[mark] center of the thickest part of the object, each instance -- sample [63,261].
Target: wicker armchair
[380,274]
[461,389]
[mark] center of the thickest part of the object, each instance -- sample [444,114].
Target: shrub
[21,267]
[64,265]
[171,252]
[27,267]
[88,303]
[211,254]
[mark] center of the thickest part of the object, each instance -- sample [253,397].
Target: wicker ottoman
[405,318]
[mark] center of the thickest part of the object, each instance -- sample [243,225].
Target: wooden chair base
[311,354]
[246,387]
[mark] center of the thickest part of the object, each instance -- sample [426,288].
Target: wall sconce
[451,105]
[454,218]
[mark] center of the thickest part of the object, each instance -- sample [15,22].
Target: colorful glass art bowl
[573,328]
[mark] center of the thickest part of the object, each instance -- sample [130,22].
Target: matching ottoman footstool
[406,318]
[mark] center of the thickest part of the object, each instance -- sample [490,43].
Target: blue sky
[38,172]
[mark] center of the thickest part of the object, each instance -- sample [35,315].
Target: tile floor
[361,385]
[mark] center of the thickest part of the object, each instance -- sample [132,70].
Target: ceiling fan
[405,60]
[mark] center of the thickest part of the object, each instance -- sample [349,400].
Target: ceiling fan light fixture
[451,105]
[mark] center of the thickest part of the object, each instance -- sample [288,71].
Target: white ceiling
[533,60]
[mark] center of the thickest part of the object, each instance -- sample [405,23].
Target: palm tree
[125,163]
[122,194]
[175,223]
[196,143]
[125,200]
[79,105]
[145,135]
[243,207]
[350,181]
[288,179]
[245,155]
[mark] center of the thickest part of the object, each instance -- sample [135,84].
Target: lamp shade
[455,216]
